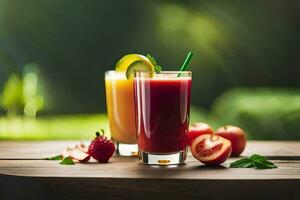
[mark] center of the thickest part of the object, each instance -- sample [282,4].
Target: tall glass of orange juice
[121,113]
[120,101]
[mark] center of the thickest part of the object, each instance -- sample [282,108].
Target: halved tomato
[211,149]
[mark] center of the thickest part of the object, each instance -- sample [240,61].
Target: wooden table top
[22,161]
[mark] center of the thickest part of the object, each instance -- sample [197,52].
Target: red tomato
[197,129]
[236,136]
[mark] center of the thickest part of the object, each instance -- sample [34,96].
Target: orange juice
[120,107]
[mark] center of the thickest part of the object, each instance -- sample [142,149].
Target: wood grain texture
[125,178]
[129,168]
[42,149]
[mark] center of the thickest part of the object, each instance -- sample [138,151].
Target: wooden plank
[32,149]
[128,167]
[122,167]
[95,188]
[42,149]
[125,178]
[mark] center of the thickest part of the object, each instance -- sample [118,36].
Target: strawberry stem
[100,134]
[102,131]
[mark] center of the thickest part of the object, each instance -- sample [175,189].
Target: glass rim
[122,74]
[165,72]
[162,72]
[114,71]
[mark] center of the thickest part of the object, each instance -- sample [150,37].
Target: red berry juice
[162,113]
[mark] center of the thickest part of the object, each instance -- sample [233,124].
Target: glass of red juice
[162,109]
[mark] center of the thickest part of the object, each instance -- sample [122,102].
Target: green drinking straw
[186,63]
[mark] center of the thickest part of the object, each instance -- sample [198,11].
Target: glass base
[162,159]
[127,149]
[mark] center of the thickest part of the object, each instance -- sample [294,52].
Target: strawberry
[101,148]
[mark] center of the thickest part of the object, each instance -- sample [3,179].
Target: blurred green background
[53,55]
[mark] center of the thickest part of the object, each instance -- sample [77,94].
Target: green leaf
[255,161]
[157,68]
[242,163]
[67,161]
[58,157]
[152,60]
[256,157]
[265,165]
[11,98]
[261,162]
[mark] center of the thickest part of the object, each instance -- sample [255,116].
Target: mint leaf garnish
[257,157]
[67,161]
[242,163]
[261,162]
[152,60]
[157,68]
[64,161]
[265,165]
[255,161]
[58,157]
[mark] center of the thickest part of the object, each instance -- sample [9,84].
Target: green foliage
[22,95]
[77,127]
[265,113]
[12,96]
[33,100]
[197,114]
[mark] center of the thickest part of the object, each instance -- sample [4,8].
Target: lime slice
[132,62]
[138,66]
